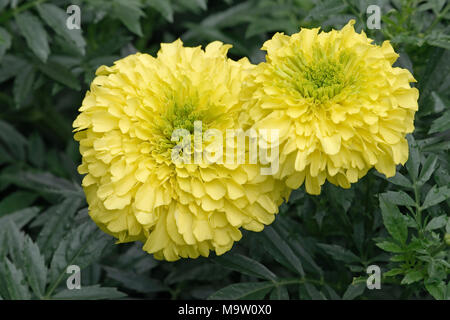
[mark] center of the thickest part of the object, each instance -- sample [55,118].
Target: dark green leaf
[313,292]
[441,124]
[34,268]
[400,180]
[16,241]
[399,198]
[162,6]
[21,217]
[60,73]
[80,247]
[390,246]
[435,196]
[23,85]
[280,250]
[339,253]
[89,293]
[10,67]
[56,18]
[57,225]
[279,293]
[129,12]
[34,33]
[437,222]
[428,168]
[14,281]
[412,276]
[5,42]
[437,289]
[136,282]
[243,291]
[245,265]
[354,290]
[393,220]
[16,201]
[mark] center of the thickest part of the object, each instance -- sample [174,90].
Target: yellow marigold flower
[134,189]
[339,104]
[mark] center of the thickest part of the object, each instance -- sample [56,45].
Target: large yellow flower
[340,106]
[134,188]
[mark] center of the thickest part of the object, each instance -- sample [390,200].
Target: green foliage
[318,248]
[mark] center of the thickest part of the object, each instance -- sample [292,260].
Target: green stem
[418,216]
[438,18]
[7,15]
[354,11]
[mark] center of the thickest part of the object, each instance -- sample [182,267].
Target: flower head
[339,104]
[135,188]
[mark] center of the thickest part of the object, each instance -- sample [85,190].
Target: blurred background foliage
[318,248]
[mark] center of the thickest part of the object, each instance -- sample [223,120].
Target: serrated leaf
[162,6]
[241,291]
[280,250]
[23,85]
[354,290]
[89,293]
[21,217]
[399,198]
[331,293]
[13,281]
[393,220]
[399,180]
[437,289]
[36,150]
[60,73]
[10,67]
[412,276]
[427,169]
[57,225]
[389,246]
[56,18]
[129,12]
[437,223]
[134,281]
[305,256]
[228,17]
[245,265]
[393,272]
[16,241]
[34,268]
[34,33]
[441,124]
[13,140]
[202,4]
[203,272]
[435,196]
[339,253]
[82,246]
[5,42]
[279,293]
[16,201]
[313,292]
[45,182]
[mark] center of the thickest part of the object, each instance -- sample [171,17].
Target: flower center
[323,74]
[319,78]
[176,116]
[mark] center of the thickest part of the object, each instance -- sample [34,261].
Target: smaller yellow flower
[340,106]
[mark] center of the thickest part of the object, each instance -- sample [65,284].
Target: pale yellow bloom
[339,104]
[134,189]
